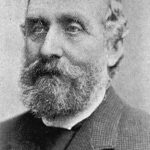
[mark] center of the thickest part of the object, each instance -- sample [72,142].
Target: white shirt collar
[70,122]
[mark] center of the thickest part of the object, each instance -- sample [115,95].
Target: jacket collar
[100,129]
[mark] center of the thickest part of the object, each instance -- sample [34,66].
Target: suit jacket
[113,126]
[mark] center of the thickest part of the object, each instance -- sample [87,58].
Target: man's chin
[54,110]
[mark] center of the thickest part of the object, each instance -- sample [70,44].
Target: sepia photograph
[74,75]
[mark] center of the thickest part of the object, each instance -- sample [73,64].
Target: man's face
[65,58]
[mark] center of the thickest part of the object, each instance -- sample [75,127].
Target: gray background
[132,83]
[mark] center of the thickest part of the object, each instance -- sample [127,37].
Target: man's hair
[115,25]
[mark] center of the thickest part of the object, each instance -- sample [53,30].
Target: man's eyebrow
[32,20]
[69,18]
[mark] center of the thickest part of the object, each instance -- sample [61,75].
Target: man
[72,50]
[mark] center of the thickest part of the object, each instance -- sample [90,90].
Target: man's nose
[52,45]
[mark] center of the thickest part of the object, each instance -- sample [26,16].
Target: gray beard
[58,94]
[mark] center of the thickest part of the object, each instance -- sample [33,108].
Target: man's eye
[38,29]
[74,28]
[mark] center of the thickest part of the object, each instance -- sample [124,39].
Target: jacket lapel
[99,131]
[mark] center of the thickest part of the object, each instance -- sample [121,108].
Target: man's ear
[115,32]
[114,53]
[22,27]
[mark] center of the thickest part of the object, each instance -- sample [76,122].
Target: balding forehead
[96,7]
[107,2]
[104,1]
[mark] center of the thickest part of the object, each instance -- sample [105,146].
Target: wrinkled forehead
[87,8]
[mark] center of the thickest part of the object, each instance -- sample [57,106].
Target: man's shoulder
[134,117]
[13,125]
[127,128]
[20,123]
[15,122]
[20,130]
[134,129]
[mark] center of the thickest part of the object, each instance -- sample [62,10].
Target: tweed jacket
[113,126]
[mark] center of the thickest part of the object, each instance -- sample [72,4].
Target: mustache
[50,68]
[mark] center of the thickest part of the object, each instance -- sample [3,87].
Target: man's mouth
[44,73]
[50,73]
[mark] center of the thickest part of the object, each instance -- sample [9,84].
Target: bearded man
[72,50]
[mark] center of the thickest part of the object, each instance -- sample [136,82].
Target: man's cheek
[86,50]
[32,48]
